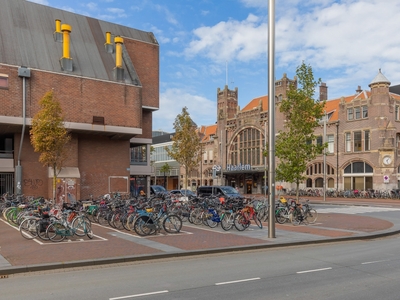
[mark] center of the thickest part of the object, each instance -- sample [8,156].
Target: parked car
[157,189]
[183,192]
[223,190]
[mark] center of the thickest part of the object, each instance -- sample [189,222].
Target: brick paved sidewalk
[112,245]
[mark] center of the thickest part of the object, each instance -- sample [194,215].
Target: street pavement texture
[335,223]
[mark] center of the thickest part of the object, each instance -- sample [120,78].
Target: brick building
[106,77]
[362,132]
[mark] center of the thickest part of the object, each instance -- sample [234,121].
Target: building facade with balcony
[106,78]
[362,133]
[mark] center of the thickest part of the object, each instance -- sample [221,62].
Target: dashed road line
[139,295]
[237,281]
[315,270]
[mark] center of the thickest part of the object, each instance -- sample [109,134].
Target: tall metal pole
[222,162]
[324,138]
[271,117]
[265,162]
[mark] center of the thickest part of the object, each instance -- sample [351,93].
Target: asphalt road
[347,270]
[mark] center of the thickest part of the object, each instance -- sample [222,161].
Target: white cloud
[201,110]
[168,15]
[230,40]
[356,36]
[118,12]
[92,6]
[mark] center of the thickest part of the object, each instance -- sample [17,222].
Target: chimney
[65,60]
[58,34]
[358,90]
[118,70]
[109,47]
[323,92]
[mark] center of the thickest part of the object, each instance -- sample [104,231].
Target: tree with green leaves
[49,136]
[186,143]
[165,169]
[296,144]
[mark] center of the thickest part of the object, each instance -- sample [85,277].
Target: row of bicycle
[148,216]
[333,193]
[145,216]
[39,220]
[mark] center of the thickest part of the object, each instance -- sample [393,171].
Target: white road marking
[315,270]
[139,295]
[236,281]
[351,210]
[373,262]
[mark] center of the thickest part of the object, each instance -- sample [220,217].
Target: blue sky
[206,44]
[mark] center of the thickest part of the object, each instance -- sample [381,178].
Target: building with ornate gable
[362,132]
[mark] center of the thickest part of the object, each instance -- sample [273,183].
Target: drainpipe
[24,73]
[337,157]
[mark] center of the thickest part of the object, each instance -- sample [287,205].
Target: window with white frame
[396,113]
[367,142]
[348,141]
[364,111]
[350,114]
[331,143]
[357,141]
[357,112]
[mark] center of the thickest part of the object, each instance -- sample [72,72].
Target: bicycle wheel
[91,214]
[280,215]
[144,225]
[263,213]
[257,221]
[41,229]
[117,221]
[172,224]
[227,221]
[211,223]
[56,232]
[195,216]
[28,228]
[130,222]
[101,217]
[241,223]
[311,216]
[81,225]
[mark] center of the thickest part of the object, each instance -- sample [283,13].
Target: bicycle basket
[283,200]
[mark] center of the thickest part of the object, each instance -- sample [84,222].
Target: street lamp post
[271,117]
[324,152]
[265,161]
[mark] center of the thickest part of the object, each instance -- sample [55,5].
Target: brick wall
[145,58]
[100,158]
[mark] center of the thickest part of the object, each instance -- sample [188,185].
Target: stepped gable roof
[208,131]
[379,78]
[27,39]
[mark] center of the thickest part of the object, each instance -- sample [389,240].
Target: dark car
[157,189]
[223,190]
[183,192]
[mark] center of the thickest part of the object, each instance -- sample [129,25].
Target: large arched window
[358,176]
[247,148]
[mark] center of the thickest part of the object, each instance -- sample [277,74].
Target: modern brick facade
[107,109]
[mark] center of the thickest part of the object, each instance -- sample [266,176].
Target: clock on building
[387,160]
